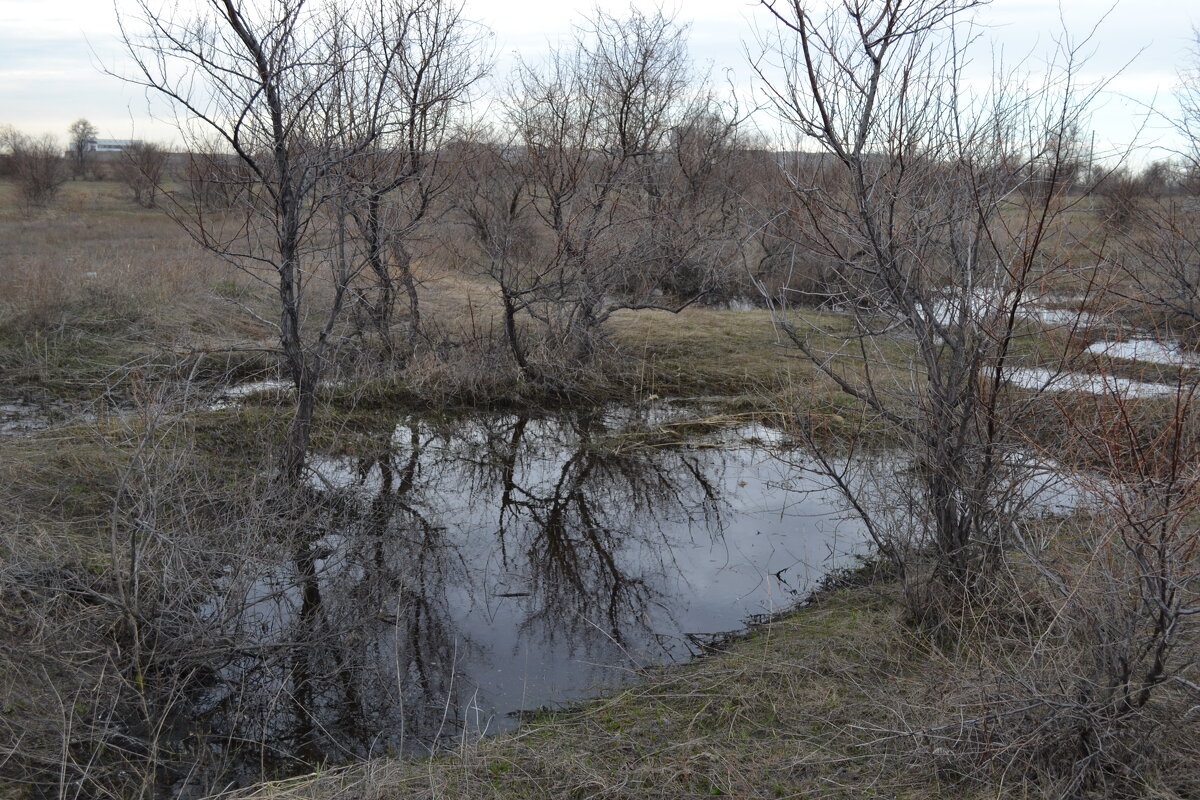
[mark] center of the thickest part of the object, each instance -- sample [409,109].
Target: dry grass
[706,352]
[743,356]
[93,239]
[96,288]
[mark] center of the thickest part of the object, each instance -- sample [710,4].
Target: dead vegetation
[840,700]
[1009,652]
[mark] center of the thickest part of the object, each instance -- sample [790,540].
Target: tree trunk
[299,431]
[514,343]
[404,262]
[304,369]
[381,310]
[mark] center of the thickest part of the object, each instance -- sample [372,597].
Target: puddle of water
[1050,312]
[498,564]
[231,396]
[18,418]
[256,387]
[501,564]
[1059,317]
[741,304]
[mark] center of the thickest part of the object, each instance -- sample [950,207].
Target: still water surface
[498,564]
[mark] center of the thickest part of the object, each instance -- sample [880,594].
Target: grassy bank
[840,699]
[802,707]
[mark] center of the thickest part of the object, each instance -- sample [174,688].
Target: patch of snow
[1148,350]
[1047,380]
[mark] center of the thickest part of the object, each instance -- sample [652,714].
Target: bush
[141,169]
[38,167]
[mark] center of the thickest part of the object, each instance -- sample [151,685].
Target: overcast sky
[51,52]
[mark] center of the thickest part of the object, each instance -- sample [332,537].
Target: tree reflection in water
[489,564]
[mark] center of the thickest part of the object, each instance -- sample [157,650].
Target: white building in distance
[111,145]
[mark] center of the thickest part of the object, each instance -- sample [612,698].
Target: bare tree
[1121,194]
[391,186]
[936,211]
[1162,177]
[37,166]
[1161,236]
[299,94]
[493,202]
[141,168]
[83,139]
[1188,122]
[212,180]
[1136,603]
[261,67]
[604,132]
[694,195]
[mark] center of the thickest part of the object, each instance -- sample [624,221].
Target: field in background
[97,285]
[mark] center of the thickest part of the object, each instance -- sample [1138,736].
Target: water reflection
[489,565]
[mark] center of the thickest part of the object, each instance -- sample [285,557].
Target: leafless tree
[937,212]
[695,195]
[392,185]
[774,261]
[212,180]
[1161,237]
[1188,94]
[1162,266]
[260,68]
[300,94]
[83,138]
[141,167]
[37,166]
[1121,194]
[611,136]
[1138,613]
[1162,177]
[493,201]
